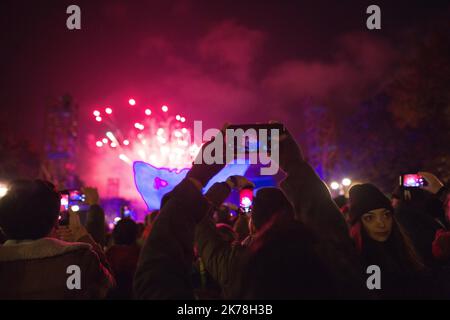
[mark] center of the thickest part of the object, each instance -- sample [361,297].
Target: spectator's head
[373,209]
[269,204]
[29,210]
[373,223]
[125,232]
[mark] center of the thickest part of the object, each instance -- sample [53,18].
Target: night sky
[211,60]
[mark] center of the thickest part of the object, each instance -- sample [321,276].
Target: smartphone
[253,138]
[64,209]
[412,180]
[76,196]
[246,200]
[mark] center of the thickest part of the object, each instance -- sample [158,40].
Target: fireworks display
[157,137]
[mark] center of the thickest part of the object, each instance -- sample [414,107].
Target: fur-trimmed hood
[13,250]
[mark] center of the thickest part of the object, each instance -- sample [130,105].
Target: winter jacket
[165,264]
[123,260]
[315,208]
[38,269]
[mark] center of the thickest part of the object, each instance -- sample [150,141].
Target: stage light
[132,102]
[164,108]
[113,145]
[178,117]
[3,190]
[346,182]
[126,142]
[99,144]
[108,110]
[334,185]
[75,208]
[96,113]
[183,119]
[184,130]
[148,112]
[104,140]
[98,119]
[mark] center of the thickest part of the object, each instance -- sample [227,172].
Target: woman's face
[378,224]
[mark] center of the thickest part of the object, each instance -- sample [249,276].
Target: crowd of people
[296,243]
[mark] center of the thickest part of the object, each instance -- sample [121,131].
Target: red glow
[132,102]
[108,110]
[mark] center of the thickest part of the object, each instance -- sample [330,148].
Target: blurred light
[177,134]
[132,102]
[334,185]
[160,131]
[104,140]
[164,108]
[99,119]
[75,208]
[346,182]
[139,126]
[124,158]
[178,117]
[148,112]
[111,136]
[113,145]
[126,142]
[183,119]
[99,144]
[3,190]
[117,219]
[108,110]
[184,130]
[96,113]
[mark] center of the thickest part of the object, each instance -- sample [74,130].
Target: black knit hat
[364,198]
[268,202]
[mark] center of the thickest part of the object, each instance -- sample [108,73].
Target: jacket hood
[13,250]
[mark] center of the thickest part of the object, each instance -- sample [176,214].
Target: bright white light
[99,144]
[124,158]
[184,130]
[132,102]
[117,219]
[183,119]
[126,142]
[334,185]
[104,140]
[346,182]
[160,131]
[108,110]
[75,208]
[164,108]
[178,117]
[113,145]
[98,119]
[148,112]
[96,113]
[3,190]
